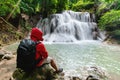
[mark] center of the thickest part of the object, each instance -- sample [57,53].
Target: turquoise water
[72,56]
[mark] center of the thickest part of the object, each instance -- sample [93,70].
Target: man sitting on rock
[43,70]
[36,35]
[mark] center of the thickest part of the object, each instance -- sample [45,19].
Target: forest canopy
[20,13]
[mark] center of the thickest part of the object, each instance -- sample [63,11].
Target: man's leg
[53,64]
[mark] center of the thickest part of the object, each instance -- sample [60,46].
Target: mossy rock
[44,72]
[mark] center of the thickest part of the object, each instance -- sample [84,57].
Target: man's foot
[59,70]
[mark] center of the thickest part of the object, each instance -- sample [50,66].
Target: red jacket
[36,35]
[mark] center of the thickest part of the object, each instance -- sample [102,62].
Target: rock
[7,56]
[47,73]
[90,77]
[11,78]
[96,73]
[70,78]
[86,73]
[1,54]
[76,78]
[44,72]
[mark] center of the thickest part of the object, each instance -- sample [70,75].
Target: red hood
[36,34]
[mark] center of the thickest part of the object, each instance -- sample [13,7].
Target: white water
[69,26]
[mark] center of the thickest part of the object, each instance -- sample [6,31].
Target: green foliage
[29,6]
[51,7]
[106,5]
[48,7]
[110,21]
[115,5]
[83,5]
[6,6]
[26,6]
[62,5]
[116,32]
[73,1]
[115,35]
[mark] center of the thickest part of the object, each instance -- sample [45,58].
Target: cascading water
[69,27]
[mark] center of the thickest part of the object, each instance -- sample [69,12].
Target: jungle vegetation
[20,13]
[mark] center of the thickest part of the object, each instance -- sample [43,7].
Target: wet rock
[86,73]
[90,77]
[96,73]
[76,78]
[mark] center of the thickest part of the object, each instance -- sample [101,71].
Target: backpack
[26,53]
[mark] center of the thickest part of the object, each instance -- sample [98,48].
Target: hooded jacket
[41,52]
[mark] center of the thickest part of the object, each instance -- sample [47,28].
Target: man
[41,52]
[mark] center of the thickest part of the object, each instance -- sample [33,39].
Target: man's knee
[49,60]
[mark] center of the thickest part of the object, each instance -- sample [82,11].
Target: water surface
[72,56]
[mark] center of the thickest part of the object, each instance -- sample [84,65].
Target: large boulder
[44,72]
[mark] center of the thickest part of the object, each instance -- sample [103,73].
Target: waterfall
[70,26]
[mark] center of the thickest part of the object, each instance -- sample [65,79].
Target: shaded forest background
[17,17]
